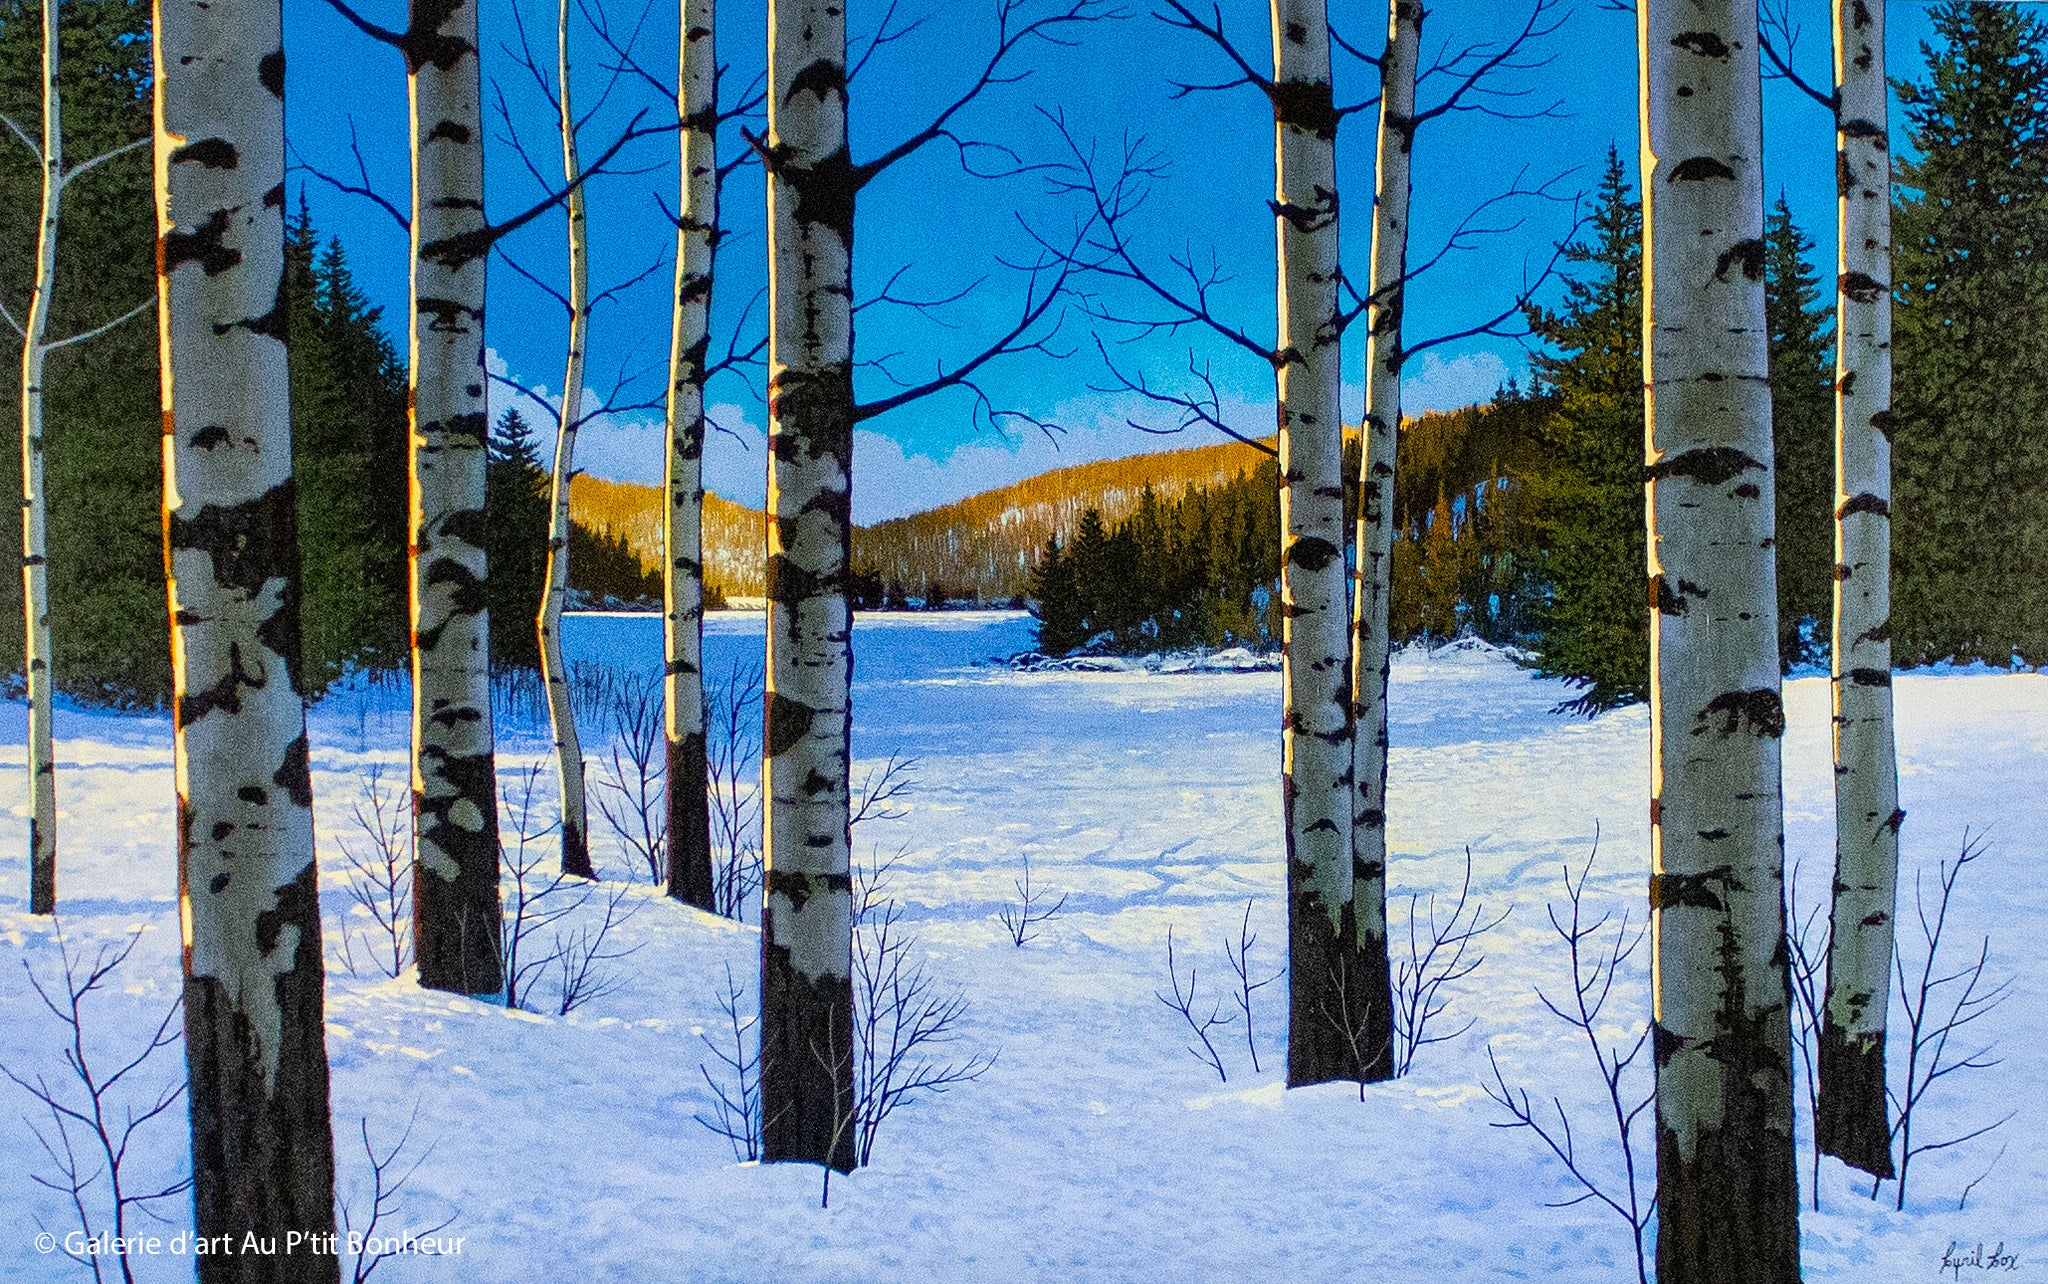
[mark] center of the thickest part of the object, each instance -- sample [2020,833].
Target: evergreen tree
[516,511]
[1588,500]
[1803,429]
[103,426]
[1091,558]
[1970,410]
[1060,627]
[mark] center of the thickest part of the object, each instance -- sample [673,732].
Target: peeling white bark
[1722,1034]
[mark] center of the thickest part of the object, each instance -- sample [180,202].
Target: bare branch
[99,330]
[1179,15]
[362,187]
[26,141]
[383,35]
[1778,41]
[86,167]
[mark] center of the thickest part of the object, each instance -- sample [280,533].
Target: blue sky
[950,230]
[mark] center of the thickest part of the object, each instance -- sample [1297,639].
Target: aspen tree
[561,711]
[249,911]
[36,345]
[1371,643]
[1852,1122]
[689,812]
[1727,1187]
[1329,999]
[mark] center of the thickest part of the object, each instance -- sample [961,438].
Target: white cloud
[1447,383]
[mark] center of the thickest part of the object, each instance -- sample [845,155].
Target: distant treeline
[104,424]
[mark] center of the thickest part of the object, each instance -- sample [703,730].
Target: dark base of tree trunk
[1730,1215]
[42,878]
[263,1160]
[689,823]
[456,924]
[806,1062]
[1327,998]
[1851,1123]
[576,853]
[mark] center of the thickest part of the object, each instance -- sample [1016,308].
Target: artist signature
[1959,1258]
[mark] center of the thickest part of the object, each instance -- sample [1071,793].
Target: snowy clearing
[1096,1148]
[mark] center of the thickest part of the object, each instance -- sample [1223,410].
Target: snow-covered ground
[1096,1148]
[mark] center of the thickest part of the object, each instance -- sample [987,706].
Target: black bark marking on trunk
[1748,255]
[1762,710]
[425,45]
[807,1106]
[203,245]
[787,721]
[1861,287]
[1704,43]
[1306,105]
[1312,553]
[1699,168]
[1869,677]
[213,153]
[689,821]
[1864,504]
[294,775]
[1708,465]
[449,131]
[1699,891]
[1880,632]
[824,193]
[1882,421]
[257,1153]
[270,71]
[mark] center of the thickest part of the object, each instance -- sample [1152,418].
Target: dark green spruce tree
[1803,429]
[516,511]
[1587,500]
[1060,624]
[1970,404]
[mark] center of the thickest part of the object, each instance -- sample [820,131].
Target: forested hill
[982,547]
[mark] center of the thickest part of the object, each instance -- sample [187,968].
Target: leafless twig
[1028,910]
[1185,1001]
[1440,954]
[736,1090]
[387,1183]
[380,883]
[1239,953]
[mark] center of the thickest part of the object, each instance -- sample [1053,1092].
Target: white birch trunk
[1851,1121]
[455,796]
[249,912]
[1726,1182]
[35,578]
[1327,999]
[807,909]
[1372,648]
[689,813]
[561,711]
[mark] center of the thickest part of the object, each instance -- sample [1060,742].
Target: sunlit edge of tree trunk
[1727,1177]
[688,773]
[35,579]
[1852,1122]
[1327,1005]
[1371,647]
[561,709]
[807,898]
[249,909]
[456,905]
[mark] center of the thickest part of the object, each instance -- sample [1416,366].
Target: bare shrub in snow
[1029,910]
[733,764]
[374,1244]
[632,775]
[1239,952]
[1595,964]
[379,886]
[99,1106]
[878,795]
[1807,931]
[736,1088]
[1187,1001]
[1440,953]
[540,937]
[1940,1003]
[906,1021]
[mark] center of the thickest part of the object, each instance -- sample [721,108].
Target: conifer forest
[1069,640]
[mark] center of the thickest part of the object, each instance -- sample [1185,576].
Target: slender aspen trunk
[1327,1003]
[1727,1186]
[689,812]
[35,577]
[1851,1121]
[455,796]
[561,711]
[807,904]
[249,909]
[1371,646]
